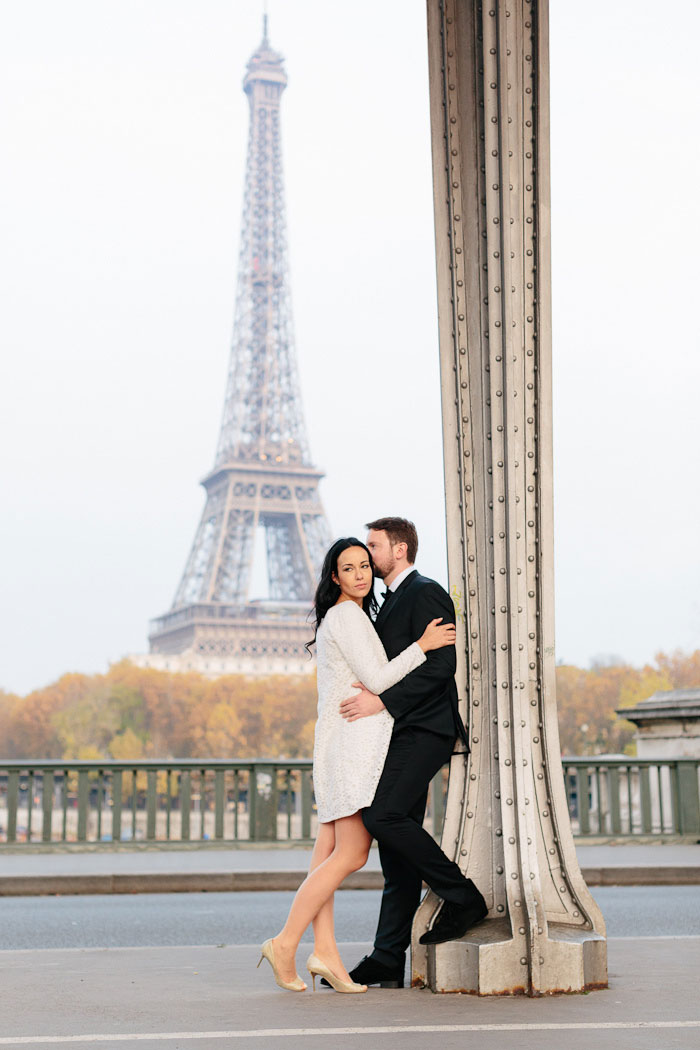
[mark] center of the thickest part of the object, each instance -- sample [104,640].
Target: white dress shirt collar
[395,584]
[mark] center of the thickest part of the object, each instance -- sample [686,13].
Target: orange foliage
[586,703]
[32,732]
[133,712]
[681,668]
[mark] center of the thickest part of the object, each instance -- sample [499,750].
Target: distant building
[668,724]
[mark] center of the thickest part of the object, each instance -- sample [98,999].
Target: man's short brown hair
[399,530]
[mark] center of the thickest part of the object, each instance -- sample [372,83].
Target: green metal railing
[181,801]
[628,797]
[267,800]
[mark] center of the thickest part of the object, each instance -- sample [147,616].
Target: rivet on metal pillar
[506,821]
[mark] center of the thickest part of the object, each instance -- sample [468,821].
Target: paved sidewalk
[157,870]
[207,998]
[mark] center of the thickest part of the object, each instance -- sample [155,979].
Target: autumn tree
[8,703]
[683,669]
[132,712]
[587,701]
[33,731]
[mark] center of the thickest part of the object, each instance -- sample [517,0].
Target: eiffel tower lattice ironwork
[263,477]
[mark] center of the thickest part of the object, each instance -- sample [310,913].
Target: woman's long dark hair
[328,591]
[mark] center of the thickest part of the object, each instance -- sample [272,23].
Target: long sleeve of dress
[352,631]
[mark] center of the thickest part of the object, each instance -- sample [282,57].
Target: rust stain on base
[481,995]
[594,986]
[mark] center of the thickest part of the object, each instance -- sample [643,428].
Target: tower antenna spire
[265,40]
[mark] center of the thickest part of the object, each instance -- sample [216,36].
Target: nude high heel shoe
[267,952]
[317,968]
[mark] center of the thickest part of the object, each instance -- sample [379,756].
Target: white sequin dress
[349,756]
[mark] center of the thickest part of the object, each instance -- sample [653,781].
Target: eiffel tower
[263,479]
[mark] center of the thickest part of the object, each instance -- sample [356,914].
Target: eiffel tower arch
[263,478]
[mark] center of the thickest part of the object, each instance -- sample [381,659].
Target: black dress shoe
[455,919]
[370,971]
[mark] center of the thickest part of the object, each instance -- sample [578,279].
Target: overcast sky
[123,129]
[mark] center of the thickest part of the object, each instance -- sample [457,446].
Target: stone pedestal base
[487,961]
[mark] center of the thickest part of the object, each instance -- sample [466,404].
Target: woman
[348,756]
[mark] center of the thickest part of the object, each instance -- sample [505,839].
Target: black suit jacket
[426,697]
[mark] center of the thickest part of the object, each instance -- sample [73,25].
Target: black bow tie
[387,594]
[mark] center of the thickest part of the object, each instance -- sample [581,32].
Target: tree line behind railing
[271,800]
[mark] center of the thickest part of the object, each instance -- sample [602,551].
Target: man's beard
[382,571]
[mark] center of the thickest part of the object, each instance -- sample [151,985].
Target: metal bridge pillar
[507,822]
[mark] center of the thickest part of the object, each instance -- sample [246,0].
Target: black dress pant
[408,853]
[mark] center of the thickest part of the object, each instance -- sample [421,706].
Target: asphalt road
[149,920]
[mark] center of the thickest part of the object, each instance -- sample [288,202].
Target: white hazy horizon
[124,129]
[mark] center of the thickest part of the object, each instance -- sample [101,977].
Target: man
[426,725]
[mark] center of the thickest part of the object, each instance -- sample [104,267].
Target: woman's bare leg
[352,842]
[323,922]
[324,932]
